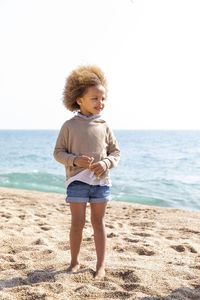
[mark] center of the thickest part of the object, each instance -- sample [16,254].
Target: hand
[83,161]
[98,168]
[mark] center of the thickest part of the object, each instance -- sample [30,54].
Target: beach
[152,252]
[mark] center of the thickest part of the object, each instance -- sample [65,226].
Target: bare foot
[100,273]
[73,268]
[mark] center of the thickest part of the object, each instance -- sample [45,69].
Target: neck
[79,114]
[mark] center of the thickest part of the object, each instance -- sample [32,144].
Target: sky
[148,50]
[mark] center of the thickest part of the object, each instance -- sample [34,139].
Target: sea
[157,167]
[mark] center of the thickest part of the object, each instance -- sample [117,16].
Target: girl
[88,149]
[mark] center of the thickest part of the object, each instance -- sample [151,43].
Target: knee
[97,224]
[77,225]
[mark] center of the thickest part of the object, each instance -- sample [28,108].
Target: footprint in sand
[22,217]
[182,248]
[130,240]
[128,276]
[19,266]
[45,228]
[88,239]
[40,215]
[178,248]
[111,235]
[118,249]
[60,209]
[6,215]
[110,226]
[47,251]
[191,249]
[142,234]
[130,287]
[143,251]
[187,230]
[39,242]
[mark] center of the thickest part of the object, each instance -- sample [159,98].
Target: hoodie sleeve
[113,151]
[61,153]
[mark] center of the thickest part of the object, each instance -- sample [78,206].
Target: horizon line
[163,129]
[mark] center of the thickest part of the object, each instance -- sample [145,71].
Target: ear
[79,101]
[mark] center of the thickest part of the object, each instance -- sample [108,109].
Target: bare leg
[77,224]
[97,219]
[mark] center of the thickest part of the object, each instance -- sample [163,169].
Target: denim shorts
[81,192]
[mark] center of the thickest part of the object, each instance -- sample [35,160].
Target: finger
[99,173]
[87,157]
[94,168]
[94,164]
[97,164]
[85,161]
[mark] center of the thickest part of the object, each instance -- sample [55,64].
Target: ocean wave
[45,182]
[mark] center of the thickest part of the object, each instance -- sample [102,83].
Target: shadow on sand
[184,293]
[48,275]
[38,276]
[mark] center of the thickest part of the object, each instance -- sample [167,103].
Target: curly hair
[79,81]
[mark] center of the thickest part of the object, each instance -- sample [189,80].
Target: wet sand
[152,252]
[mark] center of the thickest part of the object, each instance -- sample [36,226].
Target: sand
[152,252]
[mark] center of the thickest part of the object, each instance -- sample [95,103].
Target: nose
[101,101]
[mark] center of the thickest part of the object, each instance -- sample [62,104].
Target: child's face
[93,101]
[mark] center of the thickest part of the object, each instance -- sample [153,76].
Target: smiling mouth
[98,108]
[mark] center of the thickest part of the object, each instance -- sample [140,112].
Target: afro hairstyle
[79,81]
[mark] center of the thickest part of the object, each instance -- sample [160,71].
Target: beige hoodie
[91,137]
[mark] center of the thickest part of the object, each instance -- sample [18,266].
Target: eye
[96,99]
